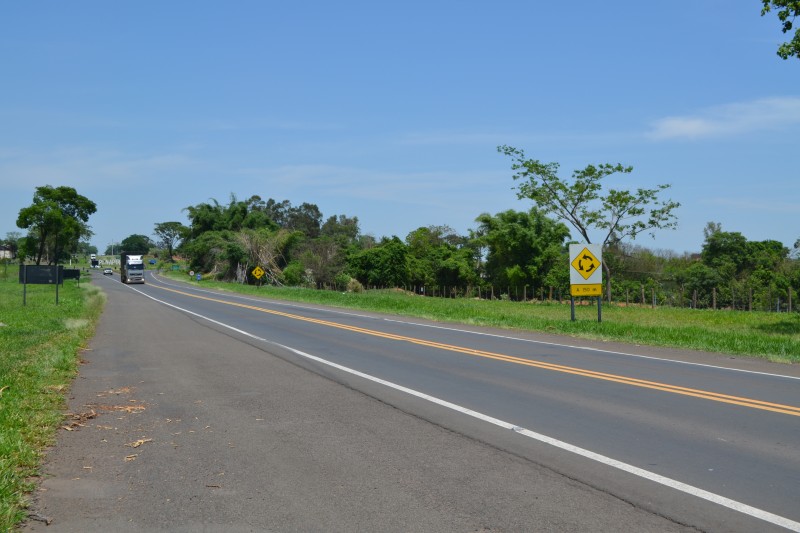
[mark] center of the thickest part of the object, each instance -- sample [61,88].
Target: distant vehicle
[152,261]
[131,268]
[93,256]
[108,272]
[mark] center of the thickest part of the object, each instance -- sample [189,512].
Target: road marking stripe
[290,303]
[608,461]
[636,382]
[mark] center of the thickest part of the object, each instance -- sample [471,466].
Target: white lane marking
[485,334]
[608,461]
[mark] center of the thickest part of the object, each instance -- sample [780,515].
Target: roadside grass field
[771,336]
[40,345]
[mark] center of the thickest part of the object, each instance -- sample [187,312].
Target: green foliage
[618,214]
[437,257]
[136,244]
[788,11]
[209,251]
[382,266]
[56,221]
[170,235]
[515,253]
[295,274]
[522,247]
[582,203]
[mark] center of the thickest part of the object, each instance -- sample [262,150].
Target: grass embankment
[772,336]
[39,356]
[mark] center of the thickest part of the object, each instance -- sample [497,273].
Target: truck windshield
[136,267]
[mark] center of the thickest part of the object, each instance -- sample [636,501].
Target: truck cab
[131,268]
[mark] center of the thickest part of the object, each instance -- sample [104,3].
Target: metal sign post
[586,274]
[40,275]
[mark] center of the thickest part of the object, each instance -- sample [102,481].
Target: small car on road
[108,272]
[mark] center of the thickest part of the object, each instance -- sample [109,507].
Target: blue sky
[392,112]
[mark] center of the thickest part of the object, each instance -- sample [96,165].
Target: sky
[392,112]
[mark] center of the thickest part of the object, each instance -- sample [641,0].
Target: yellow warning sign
[259,272]
[588,289]
[585,263]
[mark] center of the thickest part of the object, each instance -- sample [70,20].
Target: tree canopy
[170,235]
[136,244]
[617,214]
[56,222]
[787,11]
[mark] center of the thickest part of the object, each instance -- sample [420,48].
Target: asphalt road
[204,411]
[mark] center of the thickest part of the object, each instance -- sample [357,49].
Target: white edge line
[608,461]
[495,335]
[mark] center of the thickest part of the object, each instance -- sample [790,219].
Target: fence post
[750,300]
[714,298]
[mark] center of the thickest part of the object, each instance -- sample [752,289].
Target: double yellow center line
[665,387]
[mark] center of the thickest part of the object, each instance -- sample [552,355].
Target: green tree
[12,241]
[170,235]
[522,247]
[385,265]
[136,244]
[56,222]
[703,279]
[787,11]
[616,213]
[326,255]
[438,257]
[727,252]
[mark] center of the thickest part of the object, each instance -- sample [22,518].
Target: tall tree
[787,11]
[136,244]
[617,214]
[170,235]
[56,221]
[523,247]
[385,265]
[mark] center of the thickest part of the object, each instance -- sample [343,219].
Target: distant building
[6,252]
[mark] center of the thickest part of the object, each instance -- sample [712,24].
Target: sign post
[40,275]
[586,274]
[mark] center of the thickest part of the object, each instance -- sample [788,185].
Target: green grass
[772,336]
[40,345]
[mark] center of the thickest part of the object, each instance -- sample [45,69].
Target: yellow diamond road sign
[586,263]
[258,272]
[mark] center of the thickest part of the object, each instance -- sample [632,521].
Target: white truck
[131,268]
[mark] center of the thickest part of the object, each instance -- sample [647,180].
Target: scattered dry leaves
[76,420]
[137,443]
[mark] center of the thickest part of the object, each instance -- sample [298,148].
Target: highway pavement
[201,410]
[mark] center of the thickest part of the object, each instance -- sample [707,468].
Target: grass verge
[40,344]
[771,336]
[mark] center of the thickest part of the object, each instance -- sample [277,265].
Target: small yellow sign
[258,272]
[589,289]
[586,263]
